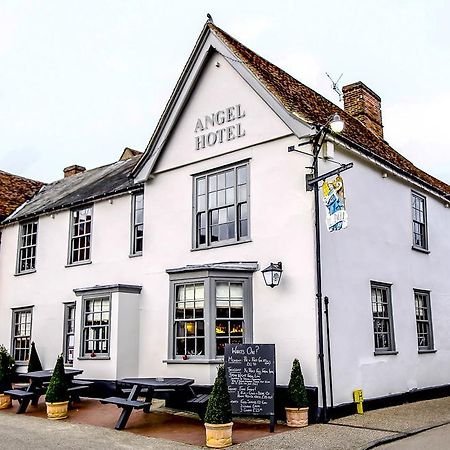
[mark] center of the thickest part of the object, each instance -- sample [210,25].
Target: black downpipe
[330,382]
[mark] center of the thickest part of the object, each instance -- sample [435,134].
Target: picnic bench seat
[24,398]
[199,404]
[128,406]
[74,392]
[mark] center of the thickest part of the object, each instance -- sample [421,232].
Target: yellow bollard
[358,399]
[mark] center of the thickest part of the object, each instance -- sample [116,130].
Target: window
[27,247]
[137,223]
[69,333]
[209,312]
[423,320]
[221,205]
[419,221]
[96,319]
[80,236]
[382,318]
[21,334]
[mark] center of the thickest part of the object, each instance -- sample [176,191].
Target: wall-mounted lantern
[272,274]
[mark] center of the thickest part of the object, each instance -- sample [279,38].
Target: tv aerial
[334,85]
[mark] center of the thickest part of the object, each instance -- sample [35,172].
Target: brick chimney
[73,170]
[363,104]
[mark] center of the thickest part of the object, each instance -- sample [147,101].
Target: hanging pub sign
[334,199]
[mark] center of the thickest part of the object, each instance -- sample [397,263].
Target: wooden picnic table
[152,385]
[35,389]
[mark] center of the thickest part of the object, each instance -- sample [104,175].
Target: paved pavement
[367,431]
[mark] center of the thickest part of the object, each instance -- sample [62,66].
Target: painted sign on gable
[230,129]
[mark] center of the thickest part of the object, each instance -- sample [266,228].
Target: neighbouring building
[150,265]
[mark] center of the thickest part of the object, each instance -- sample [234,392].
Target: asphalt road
[434,439]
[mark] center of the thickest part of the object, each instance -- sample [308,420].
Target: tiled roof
[91,185]
[306,104]
[14,191]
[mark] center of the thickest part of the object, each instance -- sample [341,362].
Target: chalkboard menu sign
[250,370]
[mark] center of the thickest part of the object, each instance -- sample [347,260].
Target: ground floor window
[95,326]
[383,329]
[69,333]
[208,313]
[21,333]
[423,320]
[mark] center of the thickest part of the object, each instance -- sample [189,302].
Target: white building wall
[376,246]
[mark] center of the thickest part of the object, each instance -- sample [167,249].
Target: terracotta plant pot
[297,417]
[57,410]
[219,435]
[5,401]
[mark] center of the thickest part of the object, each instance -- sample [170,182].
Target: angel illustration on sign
[334,199]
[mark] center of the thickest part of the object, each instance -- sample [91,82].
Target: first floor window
[80,235]
[221,202]
[382,317]
[209,313]
[27,247]
[95,333]
[21,334]
[69,333]
[419,221]
[137,225]
[423,320]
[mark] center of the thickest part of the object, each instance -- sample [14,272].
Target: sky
[80,81]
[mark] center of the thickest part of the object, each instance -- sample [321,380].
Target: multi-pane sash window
[80,238]
[27,247]
[221,206]
[423,320]
[189,319]
[208,313]
[229,315]
[137,231]
[96,319]
[21,338]
[69,333]
[382,318]
[419,221]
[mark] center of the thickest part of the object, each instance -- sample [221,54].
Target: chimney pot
[365,105]
[73,170]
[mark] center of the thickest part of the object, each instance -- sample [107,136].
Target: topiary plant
[297,396]
[34,363]
[218,410]
[7,364]
[57,389]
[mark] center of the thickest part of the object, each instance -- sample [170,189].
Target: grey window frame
[14,336]
[236,204]
[20,247]
[209,278]
[66,332]
[72,237]
[85,299]
[135,224]
[428,323]
[415,196]
[389,319]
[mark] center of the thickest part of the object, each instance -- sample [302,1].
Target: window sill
[420,249]
[21,363]
[83,263]
[25,272]
[385,352]
[426,351]
[134,255]
[95,358]
[225,244]
[193,361]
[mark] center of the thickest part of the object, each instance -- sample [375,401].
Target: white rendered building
[150,265]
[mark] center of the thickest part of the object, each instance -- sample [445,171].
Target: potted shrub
[57,397]
[34,363]
[6,372]
[218,419]
[297,401]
